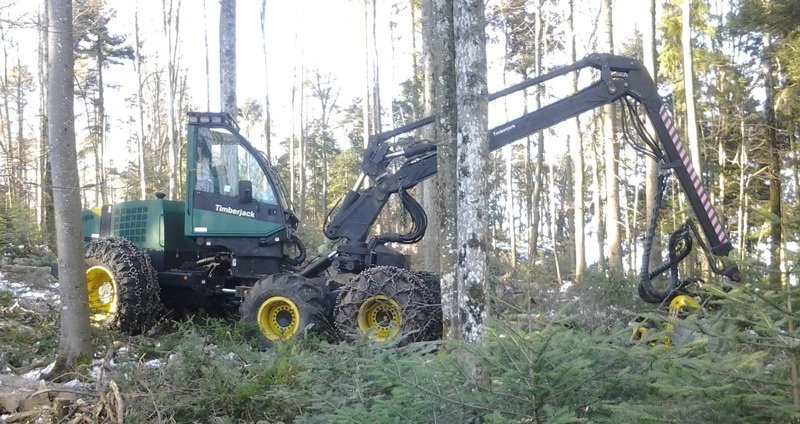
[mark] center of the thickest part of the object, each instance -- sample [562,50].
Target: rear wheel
[383,304]
[283,307]
[121,284]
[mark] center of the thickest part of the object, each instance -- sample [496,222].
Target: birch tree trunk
[227,56]
[469,24]
[74,342]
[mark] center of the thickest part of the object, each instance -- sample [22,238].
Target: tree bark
[171,33]
[74,343]
[430,244]
[536,202]
[688,81]
[138,61]
[205,45]
[441,42]
[267,117]
[469,24]
[227,56]
[651,172]
[774,172]
[611,150]
[577,164]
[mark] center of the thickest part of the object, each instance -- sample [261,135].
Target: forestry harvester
[232,243]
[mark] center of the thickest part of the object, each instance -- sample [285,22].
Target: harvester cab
[234,199]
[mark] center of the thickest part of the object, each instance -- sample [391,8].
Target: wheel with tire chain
[121,284]
[283,307]
[385,304]
[433,295]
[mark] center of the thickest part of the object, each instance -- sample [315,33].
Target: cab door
[229,190]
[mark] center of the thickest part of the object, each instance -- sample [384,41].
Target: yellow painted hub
[102,290]
[278,318]
[380,318]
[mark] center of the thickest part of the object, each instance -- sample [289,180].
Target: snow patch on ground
[33,288]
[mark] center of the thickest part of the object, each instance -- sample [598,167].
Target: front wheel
[283,307]
[121,285]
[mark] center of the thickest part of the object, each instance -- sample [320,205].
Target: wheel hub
[278,318]
[102,293]
[380,318]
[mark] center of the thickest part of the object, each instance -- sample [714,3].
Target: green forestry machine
[232,244]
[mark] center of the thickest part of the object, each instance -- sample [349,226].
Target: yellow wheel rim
[102,290]
[380,318]
[278,318]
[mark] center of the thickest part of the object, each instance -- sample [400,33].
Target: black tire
[433,295]
[379,298]
[283,307]
[121,283]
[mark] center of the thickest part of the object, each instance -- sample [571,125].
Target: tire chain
[433,295]
[138,297]
[403,286]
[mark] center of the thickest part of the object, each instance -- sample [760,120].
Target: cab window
[222,162]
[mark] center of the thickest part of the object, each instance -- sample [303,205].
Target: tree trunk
[74,343]
[469,24]
[171,33]
[577,163]
[430,244]
[651,171]
[774,172]
[138,61]
[611,150]
[227,56]
[267,118]
[205,45]
[101,123]
[688,81]
[441,43]
[43,190]
[533,247]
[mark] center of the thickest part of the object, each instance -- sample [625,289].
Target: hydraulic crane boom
[621,79]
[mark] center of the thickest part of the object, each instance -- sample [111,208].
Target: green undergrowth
[728,365]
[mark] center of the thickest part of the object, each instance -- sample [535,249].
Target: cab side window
[222,162]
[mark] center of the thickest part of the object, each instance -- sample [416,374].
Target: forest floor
[29,389]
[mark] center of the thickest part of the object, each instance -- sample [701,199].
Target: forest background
[729,69]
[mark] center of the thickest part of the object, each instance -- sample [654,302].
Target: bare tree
[469,27]
[74,344]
